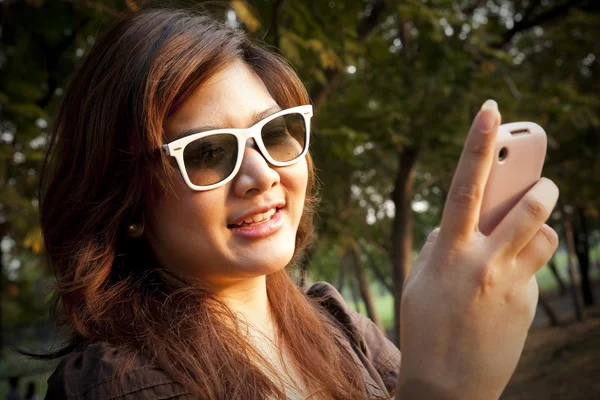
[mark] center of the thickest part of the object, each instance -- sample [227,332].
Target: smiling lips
[259,225]
[256,215]
[257,219]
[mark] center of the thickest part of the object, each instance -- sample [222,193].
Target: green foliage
[384,75]
[41,42]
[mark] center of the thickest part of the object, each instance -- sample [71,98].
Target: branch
[378,273]
[470,10]
[529,10]
[96,6]
[540,19]
[53,57]
[428,183]
[275,22]
[404,34]
[368,24]
[511,85]
[319,91]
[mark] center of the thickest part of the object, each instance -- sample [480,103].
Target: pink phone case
[514,171]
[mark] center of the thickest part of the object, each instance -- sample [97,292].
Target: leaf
[3,97]
[315,44]
[132,5]
[242,10]
[289,48]
[34,241]
[24,90]
[319,75]
[27,110]
[330,60]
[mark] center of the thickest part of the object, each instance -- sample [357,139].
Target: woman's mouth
[256,219]
[259,225]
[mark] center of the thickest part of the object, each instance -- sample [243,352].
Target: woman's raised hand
[470,299]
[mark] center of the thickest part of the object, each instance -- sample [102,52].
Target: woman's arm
[470,299]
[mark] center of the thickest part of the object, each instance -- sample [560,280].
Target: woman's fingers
[524,220]
[461,211]
[539,249]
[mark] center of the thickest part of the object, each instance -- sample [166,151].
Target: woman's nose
[256,175]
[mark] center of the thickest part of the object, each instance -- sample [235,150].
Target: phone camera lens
[502,154]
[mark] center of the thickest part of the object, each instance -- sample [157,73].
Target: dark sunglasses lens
[285,137]
[210,159]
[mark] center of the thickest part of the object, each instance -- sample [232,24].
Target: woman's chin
[267,262]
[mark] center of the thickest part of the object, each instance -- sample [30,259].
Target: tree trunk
[2,291]
[402,228]
[549,311]
[352,284]
[303,276]
[561,283]
[304,267]
[355,295]
[366,26]
[573,270]
[582,248]
[341,278]
[363,285]
[380,275]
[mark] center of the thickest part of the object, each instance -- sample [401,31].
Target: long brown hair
[104,167]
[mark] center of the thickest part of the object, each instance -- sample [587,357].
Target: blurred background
[395,85]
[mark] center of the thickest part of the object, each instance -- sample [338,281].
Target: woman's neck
[248,299]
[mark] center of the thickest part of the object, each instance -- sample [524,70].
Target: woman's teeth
[259,218]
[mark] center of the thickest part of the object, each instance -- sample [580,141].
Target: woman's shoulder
[361,329]
[356,324]
[93,373]
[374,350]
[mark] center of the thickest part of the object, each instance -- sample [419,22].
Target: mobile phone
[519,157]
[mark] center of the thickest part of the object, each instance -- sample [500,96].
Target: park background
[395,85]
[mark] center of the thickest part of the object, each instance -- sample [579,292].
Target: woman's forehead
[229,99]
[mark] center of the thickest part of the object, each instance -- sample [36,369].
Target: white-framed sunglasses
[212,158]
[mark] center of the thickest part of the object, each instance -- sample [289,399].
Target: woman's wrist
[418,383]
[425,386]
[423,390]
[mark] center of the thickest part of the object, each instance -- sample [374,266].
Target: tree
[395,85]
[376,137]
[41,42]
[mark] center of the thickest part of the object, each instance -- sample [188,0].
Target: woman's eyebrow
[255,118]
[264,114]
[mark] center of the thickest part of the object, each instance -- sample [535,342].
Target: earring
[135,230]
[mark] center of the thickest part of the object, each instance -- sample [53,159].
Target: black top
[89,374]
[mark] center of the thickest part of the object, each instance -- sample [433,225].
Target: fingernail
[490,105]
[487,120]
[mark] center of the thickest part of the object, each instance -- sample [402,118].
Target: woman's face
[198,234]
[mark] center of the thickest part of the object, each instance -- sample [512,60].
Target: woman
[177,192]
